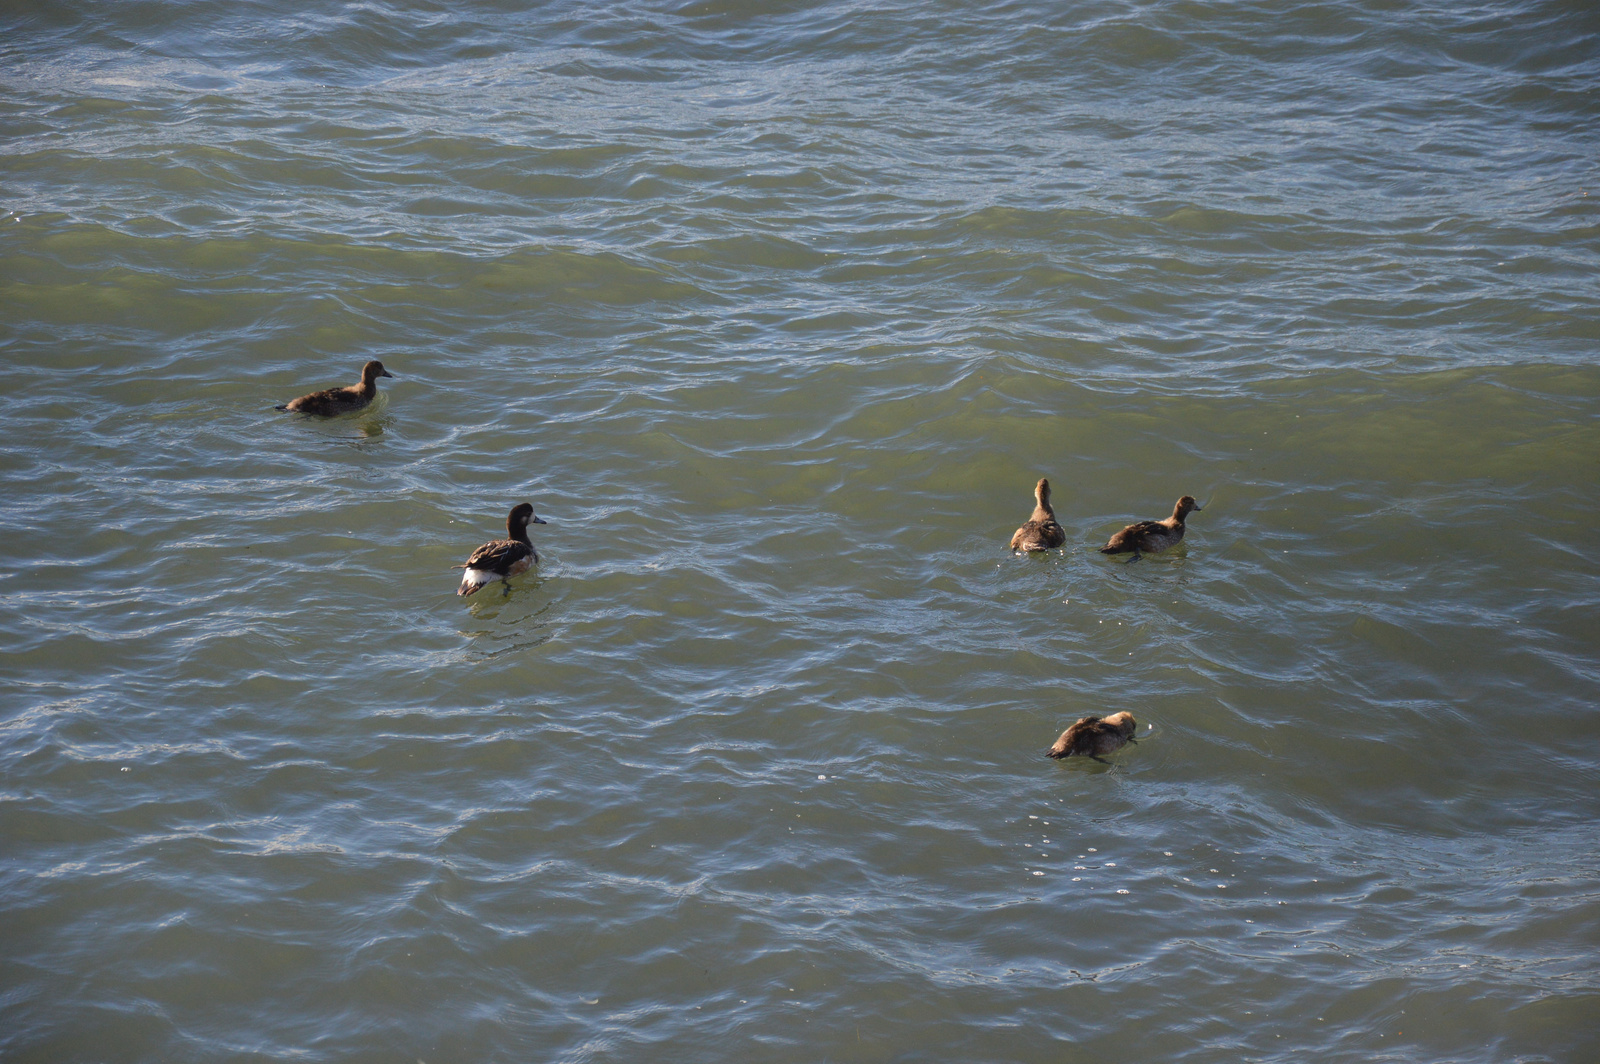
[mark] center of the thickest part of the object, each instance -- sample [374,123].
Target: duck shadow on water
[1174,555]
[352,429]
[508,623]
[1170,566]
[373,427]
[368,427]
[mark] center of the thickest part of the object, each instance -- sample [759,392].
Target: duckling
[501,559]
[333,401]
[1093,736]
[1152,536]
[1041,532]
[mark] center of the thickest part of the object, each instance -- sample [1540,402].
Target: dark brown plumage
[1041,532]
[501,559]
[1152,536]
[1094,736]
[334,401]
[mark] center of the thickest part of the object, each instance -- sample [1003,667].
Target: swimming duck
[501,559]
[1152,536]
[334,401]
[1041,532]
[1093,736]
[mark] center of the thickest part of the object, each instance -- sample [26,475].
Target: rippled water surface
[775,312]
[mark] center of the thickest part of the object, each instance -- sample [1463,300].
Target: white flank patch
[478,577]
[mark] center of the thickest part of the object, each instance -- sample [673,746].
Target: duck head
[521,517]
[1123,722]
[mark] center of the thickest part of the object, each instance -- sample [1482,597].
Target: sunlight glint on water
[776,315]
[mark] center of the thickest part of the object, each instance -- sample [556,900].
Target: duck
[333,401]
[1096,735]
[1152,536]
[501,559]
[1041,531]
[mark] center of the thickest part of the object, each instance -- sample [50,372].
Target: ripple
[776,317]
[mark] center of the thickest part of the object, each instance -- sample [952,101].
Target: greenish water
[776,313]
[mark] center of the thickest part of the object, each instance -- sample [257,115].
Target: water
[776,313]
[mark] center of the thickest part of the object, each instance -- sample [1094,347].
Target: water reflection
[514,619]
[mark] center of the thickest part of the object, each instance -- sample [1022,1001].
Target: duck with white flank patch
[1094,736]
[501,559]
[334,401]
[1152,536]
[1041,532]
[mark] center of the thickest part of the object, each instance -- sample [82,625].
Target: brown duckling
[333,401]
[1093,736]
[501,559]
[1152,536]
[1041,532]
